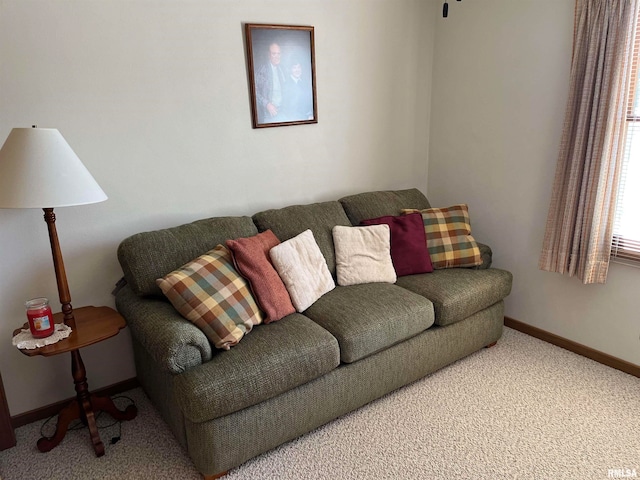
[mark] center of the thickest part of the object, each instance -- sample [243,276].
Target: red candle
[40,317]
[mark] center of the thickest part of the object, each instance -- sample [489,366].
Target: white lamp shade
[38,169]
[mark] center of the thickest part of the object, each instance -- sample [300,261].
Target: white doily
[24,339]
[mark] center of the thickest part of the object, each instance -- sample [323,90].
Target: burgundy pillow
[409,252]
[251,258]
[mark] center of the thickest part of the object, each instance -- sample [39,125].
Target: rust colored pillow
[409,252]
[251,257]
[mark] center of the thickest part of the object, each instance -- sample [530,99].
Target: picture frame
[282,77]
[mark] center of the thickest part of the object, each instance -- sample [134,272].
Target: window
[626,230]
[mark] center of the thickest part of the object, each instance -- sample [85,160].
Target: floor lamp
[38,169]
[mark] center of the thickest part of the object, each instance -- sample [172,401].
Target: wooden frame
[282,79]
[7,436]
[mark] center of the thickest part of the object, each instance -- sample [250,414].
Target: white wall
[500,83]
[153,97]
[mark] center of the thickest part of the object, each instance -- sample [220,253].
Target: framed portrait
[282,75]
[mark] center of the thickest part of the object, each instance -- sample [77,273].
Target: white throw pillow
[363,254]
[303,269]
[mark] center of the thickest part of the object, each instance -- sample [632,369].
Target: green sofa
[354,345]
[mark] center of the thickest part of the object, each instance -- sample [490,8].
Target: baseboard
[53,409]
[574,347]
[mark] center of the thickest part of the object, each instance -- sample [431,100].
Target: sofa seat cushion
[275,358]
[457,293]
[370,317]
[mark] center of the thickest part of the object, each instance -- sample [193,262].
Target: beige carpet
[521,410]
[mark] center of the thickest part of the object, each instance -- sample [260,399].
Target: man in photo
[270,85]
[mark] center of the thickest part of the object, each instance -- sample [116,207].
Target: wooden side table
[93,324]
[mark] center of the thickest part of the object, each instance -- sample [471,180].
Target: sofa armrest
[172,341]
[487,256]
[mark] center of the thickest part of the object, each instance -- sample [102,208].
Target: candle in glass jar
[40,317]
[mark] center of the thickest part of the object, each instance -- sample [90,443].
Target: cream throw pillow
[363,254]
[303,269]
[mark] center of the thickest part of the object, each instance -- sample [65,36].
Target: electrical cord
[79,425]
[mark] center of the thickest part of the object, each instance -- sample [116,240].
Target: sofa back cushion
[364,206]
[320,218]
[145,257]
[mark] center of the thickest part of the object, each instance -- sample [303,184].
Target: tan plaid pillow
[209,292]
[449,239]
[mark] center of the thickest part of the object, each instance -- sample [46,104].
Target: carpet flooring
[523,409]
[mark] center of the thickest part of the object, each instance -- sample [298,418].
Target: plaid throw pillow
[209,292]
[449,239]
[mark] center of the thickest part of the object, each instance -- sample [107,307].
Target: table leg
[65,417]
[84,401]
[105,404]
[83,407]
